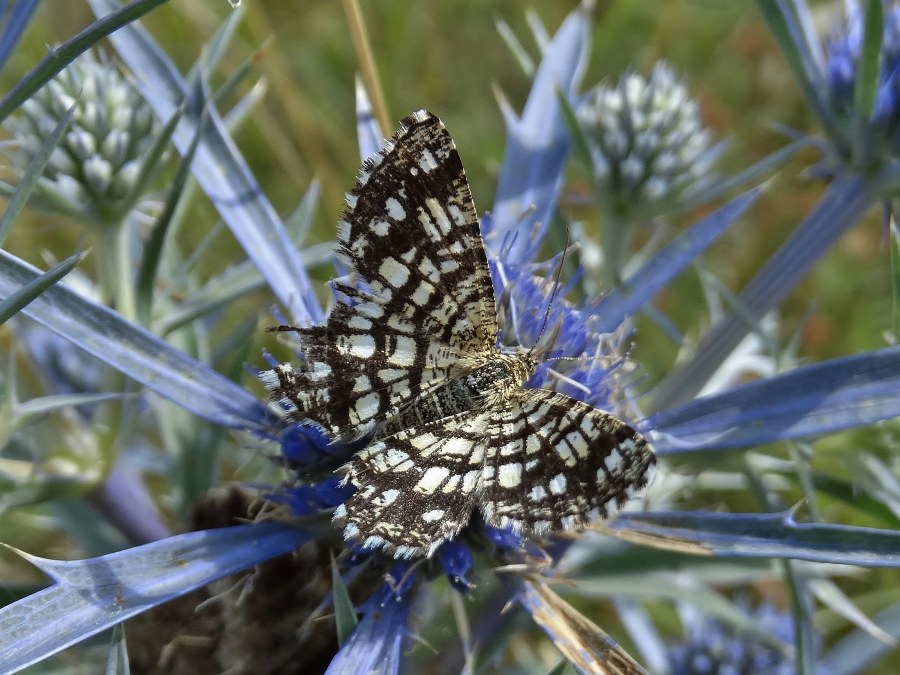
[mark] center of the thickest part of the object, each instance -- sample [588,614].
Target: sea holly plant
[648,154]
[849,80]
[381,602]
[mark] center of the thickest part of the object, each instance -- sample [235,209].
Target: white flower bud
[98,174]
[647,141]
[95,167]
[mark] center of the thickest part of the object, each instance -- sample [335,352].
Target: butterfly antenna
[554,291]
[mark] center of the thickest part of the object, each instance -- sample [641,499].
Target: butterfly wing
[559,463]
[423,298]
[417,488]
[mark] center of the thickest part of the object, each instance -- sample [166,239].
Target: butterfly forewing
[411,232]
[408,357]
[421,296]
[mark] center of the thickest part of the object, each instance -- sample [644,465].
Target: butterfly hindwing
[558,463]
[417,487]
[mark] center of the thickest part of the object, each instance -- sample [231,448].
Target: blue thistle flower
[710,646]
[880,116]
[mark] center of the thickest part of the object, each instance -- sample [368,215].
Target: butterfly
[408,359]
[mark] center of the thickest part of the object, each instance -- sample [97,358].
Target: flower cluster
[861,99]
[712,647]
[96,172]
[648,145]
[842,69]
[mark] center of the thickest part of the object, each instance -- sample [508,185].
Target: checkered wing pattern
[408,357]
[419,299]
[542,462]
[418,487]
[556,463]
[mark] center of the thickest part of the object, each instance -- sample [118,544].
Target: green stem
[126,300]
[106,268]
[616,242]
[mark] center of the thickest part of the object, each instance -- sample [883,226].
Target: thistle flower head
[842,66]
[648,146]
[712,647]
[95,170]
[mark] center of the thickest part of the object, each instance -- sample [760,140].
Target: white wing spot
[388,497]
[428,226]
[395,457]
[394,272]
[432,478]
[320,371]
[427,268]
[613,460]
[380,227]
[470,481]
[423,293]
[457,446]
[362,384]
[537,493]
[388,375]
[362,346]
[433,515]
[510,475]
[404,353]
[458,215]
[558,484]
[367,406]
[394,209]
[427,162]
[439,215]
[476,456]
[564,450]
[360,323]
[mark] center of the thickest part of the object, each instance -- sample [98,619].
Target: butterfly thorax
[489,381]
